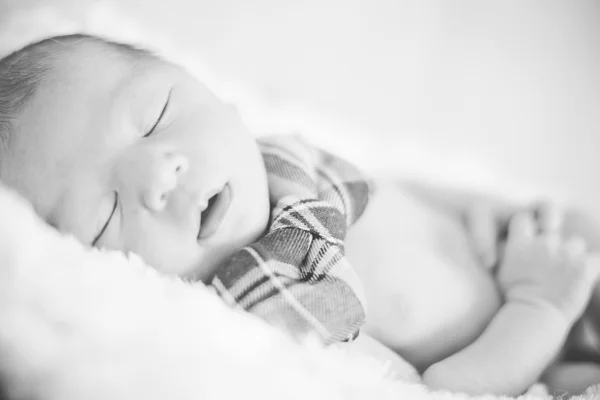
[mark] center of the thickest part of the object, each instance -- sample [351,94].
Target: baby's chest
[427,296]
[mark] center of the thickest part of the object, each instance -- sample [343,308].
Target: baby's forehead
[93,61]
[89,72]
[86,83]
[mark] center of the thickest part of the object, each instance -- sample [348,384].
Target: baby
[122,149]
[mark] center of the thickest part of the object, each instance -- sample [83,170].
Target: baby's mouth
[215,212]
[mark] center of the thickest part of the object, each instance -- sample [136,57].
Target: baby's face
[143,159]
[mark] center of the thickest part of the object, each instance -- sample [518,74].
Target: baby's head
[129,152]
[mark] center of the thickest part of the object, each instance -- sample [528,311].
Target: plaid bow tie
[297,276]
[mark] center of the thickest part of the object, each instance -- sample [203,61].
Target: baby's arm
[519,343]
[546,284]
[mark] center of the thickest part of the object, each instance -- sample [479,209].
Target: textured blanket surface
[79,323]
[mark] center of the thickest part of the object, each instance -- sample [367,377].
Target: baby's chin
[212,260]
[219,253]
[209,267]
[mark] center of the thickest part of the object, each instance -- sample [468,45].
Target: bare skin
[87,145]
[127,156]
[435,299]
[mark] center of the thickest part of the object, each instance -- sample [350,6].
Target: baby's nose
[164,178]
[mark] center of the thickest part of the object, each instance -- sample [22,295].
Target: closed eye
[160,117]
[112,213]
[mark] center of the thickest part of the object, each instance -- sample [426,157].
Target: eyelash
[112,213]
[160,117]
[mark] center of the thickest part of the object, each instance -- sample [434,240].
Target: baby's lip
[213,213]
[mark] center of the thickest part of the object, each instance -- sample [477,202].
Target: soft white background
[497,94]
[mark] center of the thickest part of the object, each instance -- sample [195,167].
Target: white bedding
[77,323]
[86,324]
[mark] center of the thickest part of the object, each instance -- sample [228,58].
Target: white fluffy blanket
[78,323]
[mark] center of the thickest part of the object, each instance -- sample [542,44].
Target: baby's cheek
[163,248]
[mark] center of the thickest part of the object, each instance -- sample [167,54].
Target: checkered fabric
[297,276]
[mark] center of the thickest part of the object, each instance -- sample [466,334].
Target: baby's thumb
[482,229]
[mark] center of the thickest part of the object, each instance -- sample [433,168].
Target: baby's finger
[521,226]
[549,216]
[483,233]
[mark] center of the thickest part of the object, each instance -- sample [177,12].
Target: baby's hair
[22,71]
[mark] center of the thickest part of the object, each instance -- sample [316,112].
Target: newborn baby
[122,149]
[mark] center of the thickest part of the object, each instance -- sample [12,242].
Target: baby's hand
[486,224]
[541,268]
